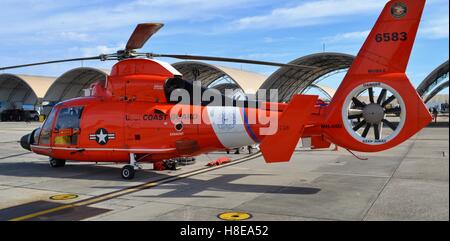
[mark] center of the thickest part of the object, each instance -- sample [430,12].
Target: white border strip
[104,149]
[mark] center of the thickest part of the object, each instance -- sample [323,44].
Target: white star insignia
[101,137]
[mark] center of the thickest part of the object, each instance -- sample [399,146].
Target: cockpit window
[69,118]
[67,127]
[47,128]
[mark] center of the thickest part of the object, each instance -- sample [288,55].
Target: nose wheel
[57,162]
[128,171]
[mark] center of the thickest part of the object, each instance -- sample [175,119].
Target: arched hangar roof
[433,79]
[226,86]
[326,90]
[27,89]
[290,81]
[436,91]
[249,82]
[71,83]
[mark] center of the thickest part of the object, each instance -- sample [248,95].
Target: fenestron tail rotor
[374,114]
[142,33]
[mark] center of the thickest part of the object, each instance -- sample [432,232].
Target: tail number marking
[388,37]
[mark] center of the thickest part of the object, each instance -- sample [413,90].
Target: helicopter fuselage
[131,112]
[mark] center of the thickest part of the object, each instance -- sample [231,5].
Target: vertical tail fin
[388,47]
[376,105]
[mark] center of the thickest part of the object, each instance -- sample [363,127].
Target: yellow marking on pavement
[234,216]
[61,197]
[33,215]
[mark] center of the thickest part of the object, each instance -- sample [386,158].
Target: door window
[67,127]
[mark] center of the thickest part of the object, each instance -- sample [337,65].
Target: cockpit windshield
[47,128]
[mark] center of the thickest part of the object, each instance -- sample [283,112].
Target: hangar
[72,84]
[290,81]
[17,91]
[326,91]
[210,75]
[436,91]
[435,78]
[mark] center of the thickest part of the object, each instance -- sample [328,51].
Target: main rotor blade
[141,34]
[232,60]
[100,57]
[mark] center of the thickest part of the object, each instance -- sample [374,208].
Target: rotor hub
[373,113]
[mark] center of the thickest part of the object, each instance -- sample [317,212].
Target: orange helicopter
[132,117]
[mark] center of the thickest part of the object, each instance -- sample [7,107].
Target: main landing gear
[128,171]
[57,162]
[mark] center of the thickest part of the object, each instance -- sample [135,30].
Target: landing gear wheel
[128,172]
[57,162]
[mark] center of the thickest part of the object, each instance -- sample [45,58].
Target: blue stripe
[247,127]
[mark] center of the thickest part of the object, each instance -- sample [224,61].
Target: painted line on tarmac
[15,155]
[134,189]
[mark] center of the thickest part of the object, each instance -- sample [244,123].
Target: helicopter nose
[25,142]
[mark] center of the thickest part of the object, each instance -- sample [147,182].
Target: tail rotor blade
[388,101]
[382,96]
[359,125]
[358,103]
[366,130]
[371,95]
[376,131]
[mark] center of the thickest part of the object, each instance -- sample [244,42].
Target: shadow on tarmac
[184,187]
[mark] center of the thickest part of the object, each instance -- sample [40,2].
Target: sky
[270,30]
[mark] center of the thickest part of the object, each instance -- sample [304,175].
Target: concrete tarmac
[409,182]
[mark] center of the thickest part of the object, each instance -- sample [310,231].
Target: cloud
[308,13]
[349,36]
[99,49]
[436,28]
[264,55]
[269,40]
[68,35]
[101,17]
